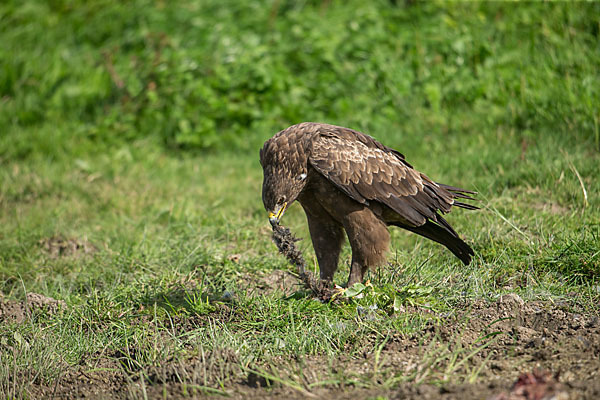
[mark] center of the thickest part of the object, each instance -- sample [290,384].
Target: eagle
[346,181]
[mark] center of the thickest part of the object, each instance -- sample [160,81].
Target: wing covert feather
[367,171]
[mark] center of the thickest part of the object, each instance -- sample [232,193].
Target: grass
[165,228]
[172,291]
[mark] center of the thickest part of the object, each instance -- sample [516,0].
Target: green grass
[165,182]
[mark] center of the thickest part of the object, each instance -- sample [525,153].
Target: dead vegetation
[286,244]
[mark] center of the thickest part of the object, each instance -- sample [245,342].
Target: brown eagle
[348,181]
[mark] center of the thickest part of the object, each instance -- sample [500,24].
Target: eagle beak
[276,216]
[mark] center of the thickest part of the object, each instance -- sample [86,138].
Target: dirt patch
[552,208]
[18,311]
[58,246]
[95,376]
[509,349]
[280,281]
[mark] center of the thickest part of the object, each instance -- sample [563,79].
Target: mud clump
[58,247]
[286,243]
[18,311]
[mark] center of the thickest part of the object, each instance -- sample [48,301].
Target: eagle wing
[367,171]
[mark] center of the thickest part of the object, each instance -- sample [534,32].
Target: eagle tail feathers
[441,222]
[442,235]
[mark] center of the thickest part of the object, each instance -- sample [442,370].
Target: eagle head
[284,177]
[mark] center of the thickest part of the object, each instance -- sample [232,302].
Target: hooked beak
[274,217]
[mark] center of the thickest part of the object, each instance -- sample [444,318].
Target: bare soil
[535,350]
[18,311]
[58,246]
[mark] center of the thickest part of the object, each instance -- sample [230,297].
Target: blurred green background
[83,76]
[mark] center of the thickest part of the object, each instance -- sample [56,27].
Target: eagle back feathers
[359,166]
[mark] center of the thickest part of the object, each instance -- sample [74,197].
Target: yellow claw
[338,291]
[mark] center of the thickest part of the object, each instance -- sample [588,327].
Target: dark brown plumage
[347,181]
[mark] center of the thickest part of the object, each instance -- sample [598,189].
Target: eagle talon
[338,291]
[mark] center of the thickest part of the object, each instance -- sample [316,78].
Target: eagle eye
[281,200]
[301,177]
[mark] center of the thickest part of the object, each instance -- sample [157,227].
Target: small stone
[227,296]
[511,299]
[526,333]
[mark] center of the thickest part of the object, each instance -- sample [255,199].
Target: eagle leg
[369,238]
[327,238]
